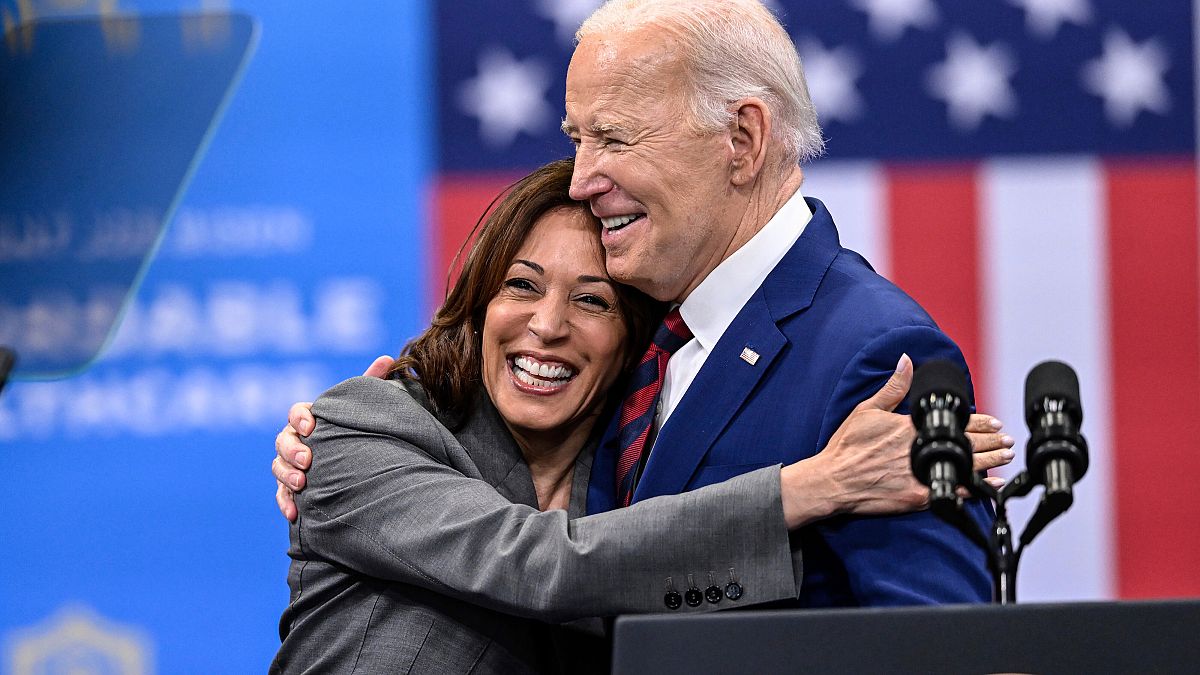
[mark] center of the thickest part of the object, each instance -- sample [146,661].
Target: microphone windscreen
[1053,379]
[7,359]
[938,377]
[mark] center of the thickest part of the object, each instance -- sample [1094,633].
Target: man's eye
[614,143]
[574,141]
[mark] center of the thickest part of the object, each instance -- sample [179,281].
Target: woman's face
[552,337]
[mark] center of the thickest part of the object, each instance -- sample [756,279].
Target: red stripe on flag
[1156,376]
[458,202]
[933,211]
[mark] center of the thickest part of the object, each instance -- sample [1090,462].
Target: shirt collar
[711,307]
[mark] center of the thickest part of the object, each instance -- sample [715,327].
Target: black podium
[1093,637]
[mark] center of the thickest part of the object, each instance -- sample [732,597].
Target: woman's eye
[595,300]
[520,284]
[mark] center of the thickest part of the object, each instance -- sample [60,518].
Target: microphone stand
[1003,557]
[1056,454]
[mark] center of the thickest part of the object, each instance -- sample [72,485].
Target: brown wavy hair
[447,359]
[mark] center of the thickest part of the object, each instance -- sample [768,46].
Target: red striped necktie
[639,407]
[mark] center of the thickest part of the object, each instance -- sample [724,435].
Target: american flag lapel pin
[749,356]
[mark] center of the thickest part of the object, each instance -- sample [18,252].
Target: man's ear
[750,129]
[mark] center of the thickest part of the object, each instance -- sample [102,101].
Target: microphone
[1056,456]
[7,358]
[941,454]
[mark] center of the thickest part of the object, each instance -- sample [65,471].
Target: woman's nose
[549,320]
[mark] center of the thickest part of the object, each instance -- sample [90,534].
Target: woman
[440,501]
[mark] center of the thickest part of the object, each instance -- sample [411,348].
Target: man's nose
[586,180]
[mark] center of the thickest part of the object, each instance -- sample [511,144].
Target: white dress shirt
[713,305]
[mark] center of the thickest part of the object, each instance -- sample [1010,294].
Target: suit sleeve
[914,558]
[391,495]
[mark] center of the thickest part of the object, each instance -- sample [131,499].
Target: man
[690,120]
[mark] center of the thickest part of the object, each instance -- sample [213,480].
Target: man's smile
[614,223]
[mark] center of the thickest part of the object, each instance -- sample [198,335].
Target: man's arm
[300,419]
[903,559]
[864,467]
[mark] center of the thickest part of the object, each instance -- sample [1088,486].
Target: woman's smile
[540,376]
[553,337]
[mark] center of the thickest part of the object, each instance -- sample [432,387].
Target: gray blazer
[422,550]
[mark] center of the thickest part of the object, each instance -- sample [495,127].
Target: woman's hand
[865,467]
[292,456]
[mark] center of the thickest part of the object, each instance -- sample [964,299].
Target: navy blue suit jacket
[828,331]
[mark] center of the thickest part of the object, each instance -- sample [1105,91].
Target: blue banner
[140,532]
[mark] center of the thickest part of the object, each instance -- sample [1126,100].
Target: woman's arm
[393,495]
[863,470]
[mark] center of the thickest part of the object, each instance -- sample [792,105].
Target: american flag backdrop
[1024,168]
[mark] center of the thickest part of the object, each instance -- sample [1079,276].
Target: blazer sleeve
[914,558]
[391,494]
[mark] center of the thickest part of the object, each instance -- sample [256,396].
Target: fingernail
[302,456]
[997,424]
[900,362]
[1007,441]
[304,427]
[294,481]
[1007,454]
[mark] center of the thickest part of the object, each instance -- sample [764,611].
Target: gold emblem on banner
[77,640]
[205,23]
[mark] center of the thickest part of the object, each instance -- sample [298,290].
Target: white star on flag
[567,15]
[890,18]
[831,75]
[973,81]
[1043,17]
[507,97]
[1129,77]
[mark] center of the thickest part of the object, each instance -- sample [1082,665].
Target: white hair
[733,49]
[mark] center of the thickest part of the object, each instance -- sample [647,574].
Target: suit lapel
[496,454]
[718,391]
[579,480]
[726,380]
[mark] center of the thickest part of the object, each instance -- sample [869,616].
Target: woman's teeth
[538,374]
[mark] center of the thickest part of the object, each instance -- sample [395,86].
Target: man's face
[662,190]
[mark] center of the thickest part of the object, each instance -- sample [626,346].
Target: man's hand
[292,456]
[865,467]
